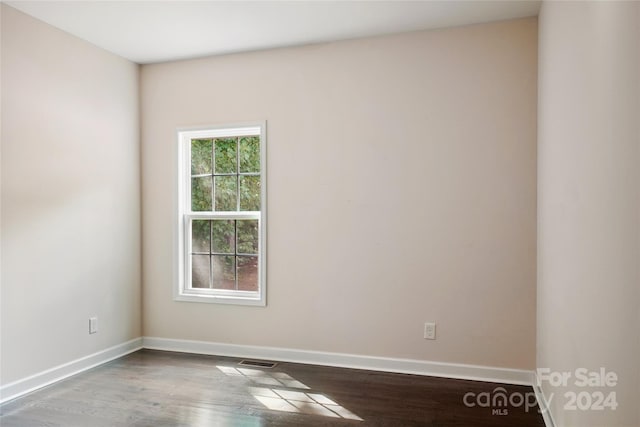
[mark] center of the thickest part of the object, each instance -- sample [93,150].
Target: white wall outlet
[93,325]
[430,331]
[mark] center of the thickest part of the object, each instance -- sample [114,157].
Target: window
[222,216]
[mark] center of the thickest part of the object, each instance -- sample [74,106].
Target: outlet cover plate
[93,325]
[430,331]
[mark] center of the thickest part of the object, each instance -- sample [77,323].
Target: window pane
[224,269]
[200,271]
[201,193]
[250,154]
[226,193]
[201,156]
[249,193]
[225,159]
[223,234]
[248,236]
[248,273]
[200,236]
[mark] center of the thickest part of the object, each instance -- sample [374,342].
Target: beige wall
[402,188]
[589,201]
[70,197]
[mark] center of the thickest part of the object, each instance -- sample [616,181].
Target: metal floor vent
[257,363]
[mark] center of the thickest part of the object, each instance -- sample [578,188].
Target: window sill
[221,299]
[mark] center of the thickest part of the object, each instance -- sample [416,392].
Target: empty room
[286,213]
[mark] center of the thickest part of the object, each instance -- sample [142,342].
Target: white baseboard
[543,403]
[404,366]
[26,385]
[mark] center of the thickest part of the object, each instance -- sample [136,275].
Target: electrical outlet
[93,325]
[430,331]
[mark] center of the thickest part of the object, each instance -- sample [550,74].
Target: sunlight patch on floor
[277,396]
[265,378]
[304,403]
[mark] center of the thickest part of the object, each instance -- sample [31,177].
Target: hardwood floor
[153,388]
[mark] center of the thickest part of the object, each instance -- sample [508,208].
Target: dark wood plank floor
[153,388]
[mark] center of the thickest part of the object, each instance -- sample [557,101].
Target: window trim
[184,216]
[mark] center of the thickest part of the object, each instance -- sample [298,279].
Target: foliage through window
[222,200]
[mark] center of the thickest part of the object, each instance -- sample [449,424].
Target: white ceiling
[156,31]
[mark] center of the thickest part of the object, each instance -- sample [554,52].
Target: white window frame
[182,288]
